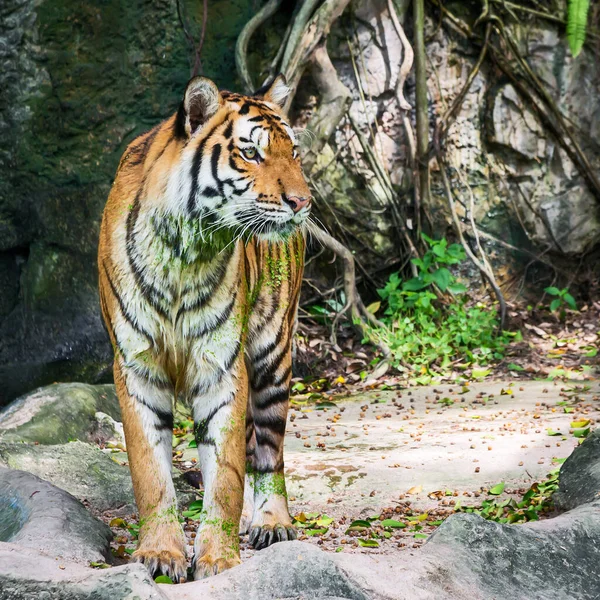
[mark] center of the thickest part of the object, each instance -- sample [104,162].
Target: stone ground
[407,450]
[411,455]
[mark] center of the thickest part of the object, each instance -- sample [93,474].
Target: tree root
[335,97]
[421,101]
[404,106]
[196,49]
[305,46]
[359,315]
[241,46]
[483,266]
[314,32]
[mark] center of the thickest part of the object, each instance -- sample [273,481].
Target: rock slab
[81,469]
[59,413]
[35,514]
[25,575]
[580,475]
[85,472]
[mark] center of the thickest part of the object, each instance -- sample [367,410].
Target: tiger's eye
[249,153]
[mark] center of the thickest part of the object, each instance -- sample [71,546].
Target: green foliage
[562,298]
[312,524]
[427,335]
[325,314]
[537,500]
[577,24]
[194,510]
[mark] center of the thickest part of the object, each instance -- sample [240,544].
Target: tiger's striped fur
[200,262]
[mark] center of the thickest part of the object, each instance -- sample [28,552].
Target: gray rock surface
[468,557]
[27,575]
[59,413]
[84,471]
[285,570]
[580,475]
[556,559]
[35,514]
[553,559]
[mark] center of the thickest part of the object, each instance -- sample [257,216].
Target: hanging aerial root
[360,316]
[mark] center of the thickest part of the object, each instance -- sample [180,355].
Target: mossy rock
[58,413]
[84,471]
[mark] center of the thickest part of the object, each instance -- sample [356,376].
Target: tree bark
[421,100]
[241,46]
[335,97]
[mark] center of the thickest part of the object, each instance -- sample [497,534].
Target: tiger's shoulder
[141,148]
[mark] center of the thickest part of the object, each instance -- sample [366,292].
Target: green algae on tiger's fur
[187,240]
[266,483]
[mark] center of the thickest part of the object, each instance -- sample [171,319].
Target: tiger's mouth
[285,226]
[266,224]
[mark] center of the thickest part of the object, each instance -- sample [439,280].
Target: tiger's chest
[189,287]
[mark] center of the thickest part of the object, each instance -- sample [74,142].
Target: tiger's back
[200,262]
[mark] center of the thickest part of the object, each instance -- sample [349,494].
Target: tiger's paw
[172,563]
[208,565]
[262,536]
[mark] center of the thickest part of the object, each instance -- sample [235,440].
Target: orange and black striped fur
[200,259]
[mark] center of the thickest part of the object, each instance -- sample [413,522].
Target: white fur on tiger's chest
[186,310]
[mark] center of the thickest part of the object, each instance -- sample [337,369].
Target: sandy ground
[369,451]
[412,455]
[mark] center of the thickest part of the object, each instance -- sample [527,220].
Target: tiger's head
[243,160]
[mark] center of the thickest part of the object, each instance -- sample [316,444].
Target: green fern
[577,24]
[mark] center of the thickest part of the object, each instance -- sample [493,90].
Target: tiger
[200,260]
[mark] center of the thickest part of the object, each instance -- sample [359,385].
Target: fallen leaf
[497,489]
[368,543]
[393,524]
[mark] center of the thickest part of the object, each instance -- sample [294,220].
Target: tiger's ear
[277,92]
[200,102]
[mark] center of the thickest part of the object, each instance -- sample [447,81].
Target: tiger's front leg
[271,372]
[146,408]
[219,421]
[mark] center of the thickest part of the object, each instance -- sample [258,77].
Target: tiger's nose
[295,202]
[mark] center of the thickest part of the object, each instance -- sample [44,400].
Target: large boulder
[84,471]
[580,475]
[60,413]
[81,469]
[35,514]
[557,558]
[284,570]
[25,575]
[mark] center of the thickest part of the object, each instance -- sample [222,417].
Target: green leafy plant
[425,334]
[326,313]
[537,500]
[432,270]
[562,299]
[194,510]
[577,16]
